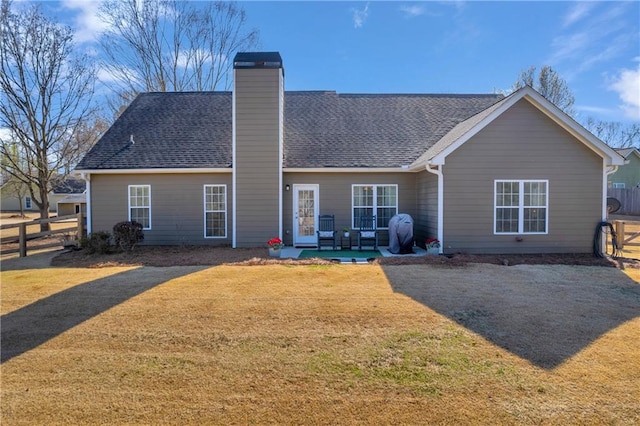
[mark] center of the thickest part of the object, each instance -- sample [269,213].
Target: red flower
[432,243]
[275,243]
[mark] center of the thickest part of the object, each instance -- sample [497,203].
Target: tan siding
[335,195]
[522,144]
[257,162]
[426,221]
[177,209]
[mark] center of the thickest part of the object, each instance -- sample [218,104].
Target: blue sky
[444,47]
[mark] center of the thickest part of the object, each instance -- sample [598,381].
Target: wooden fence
[628,232]
[629,199]
[75,231]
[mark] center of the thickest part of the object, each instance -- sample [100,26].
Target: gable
[465,130]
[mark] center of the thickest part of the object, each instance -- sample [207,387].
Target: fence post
[620,233]
[22,239]
[80,226]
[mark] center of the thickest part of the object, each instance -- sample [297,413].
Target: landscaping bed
[211,256]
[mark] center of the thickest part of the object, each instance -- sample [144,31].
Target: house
[69,189]
[14,194]
[482,173]
[628,175]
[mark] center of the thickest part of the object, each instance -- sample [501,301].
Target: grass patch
[338,254]
[280,344]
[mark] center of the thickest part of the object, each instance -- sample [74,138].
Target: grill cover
[401,234]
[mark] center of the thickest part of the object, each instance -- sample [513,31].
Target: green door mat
[337,254]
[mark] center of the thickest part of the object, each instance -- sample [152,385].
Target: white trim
[375,201]
[87,179]
[605,173]
[152,171]
[348,170]
[234,179]
[280,151]
[129,203]
[438,172]
[205,211]
[551,111]
[521,206]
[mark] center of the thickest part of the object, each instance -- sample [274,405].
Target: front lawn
[304,344]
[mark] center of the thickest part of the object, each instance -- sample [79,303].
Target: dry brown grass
[287,344]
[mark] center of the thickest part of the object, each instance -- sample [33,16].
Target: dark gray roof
[170,130]
[68,185]
[321,129]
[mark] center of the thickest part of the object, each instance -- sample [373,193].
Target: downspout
[234,193]
[87,179]
[438,172]
[608,170]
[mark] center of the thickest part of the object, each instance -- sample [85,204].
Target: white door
[305,214]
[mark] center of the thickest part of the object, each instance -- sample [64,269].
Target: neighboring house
[68,196]
[62,188]
[10,200]
[482,173]
[628,175]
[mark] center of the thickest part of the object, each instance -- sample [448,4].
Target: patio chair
[326,230]
[368,231]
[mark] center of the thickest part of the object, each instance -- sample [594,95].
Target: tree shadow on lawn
[32,325]
[545,314]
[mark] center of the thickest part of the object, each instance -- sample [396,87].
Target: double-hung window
[215,211]
[374,200]
[27,202]
[521,206]
[140,205]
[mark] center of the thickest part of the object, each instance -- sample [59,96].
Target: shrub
[97,242]
[127,234]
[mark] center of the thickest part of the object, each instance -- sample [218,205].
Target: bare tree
[614,133]
[11,158]
[46,92]
[550,85]
[172,45]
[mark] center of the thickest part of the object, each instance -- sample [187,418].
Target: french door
[305,214]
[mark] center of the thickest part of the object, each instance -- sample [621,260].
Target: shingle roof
[170,130]
[321,129]
[69,185]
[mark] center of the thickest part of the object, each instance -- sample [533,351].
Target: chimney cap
[257,60]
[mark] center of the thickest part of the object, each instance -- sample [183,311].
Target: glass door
[305,214]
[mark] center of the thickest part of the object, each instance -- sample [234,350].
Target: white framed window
[618,185]
[521,207]
[215,211]
[27,202]
[378,200]
[140,205]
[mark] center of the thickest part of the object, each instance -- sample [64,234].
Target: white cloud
[599,32]
[412,11]
[87,24]
[627,85]
[577,12]
[360,16]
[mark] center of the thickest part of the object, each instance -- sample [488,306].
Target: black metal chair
[326,230]
[368,231]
